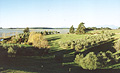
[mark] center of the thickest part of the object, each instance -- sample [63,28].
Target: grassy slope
[47,64]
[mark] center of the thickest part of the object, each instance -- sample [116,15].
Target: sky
[59,13]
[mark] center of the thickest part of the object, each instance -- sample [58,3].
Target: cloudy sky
[59,13]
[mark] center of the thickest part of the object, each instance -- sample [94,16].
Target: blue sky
[59,13]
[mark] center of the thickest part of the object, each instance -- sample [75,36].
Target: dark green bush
[102,59]
[89,61]
[106,58]
[117,45]
[78,58]
[11,52]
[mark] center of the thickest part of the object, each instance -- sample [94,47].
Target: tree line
[82,29]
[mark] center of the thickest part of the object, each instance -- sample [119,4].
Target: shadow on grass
[103,47]
[53,38]
[45,64]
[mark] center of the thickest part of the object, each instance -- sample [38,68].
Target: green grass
[64,37]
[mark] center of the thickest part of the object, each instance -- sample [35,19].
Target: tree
[81,28]
[26,30]
[71,30]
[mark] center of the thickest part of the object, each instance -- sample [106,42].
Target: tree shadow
[53,38]
[108,46]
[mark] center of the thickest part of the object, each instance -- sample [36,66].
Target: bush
[102,59]
[89,61]
[106,58]
[11,52]
[92,61]
[117,45]
[78,58]
[37,40]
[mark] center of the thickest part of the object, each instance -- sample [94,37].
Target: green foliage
[88,41]
[26,30]
[92,61]
[81,28]
[102,59]
[106,58]
[117,45]
[37,40]
[78,58]
[11,52]
[72,30]
[21,38]
[89,61]
[72,45]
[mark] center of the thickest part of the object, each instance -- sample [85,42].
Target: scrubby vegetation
[87,42]
[92,61]
[37,40]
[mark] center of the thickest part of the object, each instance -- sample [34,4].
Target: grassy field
[64,37]
[48,64]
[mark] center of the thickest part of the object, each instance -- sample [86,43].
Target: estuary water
[9,32]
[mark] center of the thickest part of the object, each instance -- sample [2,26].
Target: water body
[13,31]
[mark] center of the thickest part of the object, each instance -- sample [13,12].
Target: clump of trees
[95,28]
[80,30]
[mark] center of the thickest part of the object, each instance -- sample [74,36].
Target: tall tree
[72,30]
[81,28]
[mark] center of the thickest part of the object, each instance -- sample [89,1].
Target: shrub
[78,47]
[73,46]
[37,40]
[106,58]
[78,58]
[112,58]
[102,59]
[117,45]
[11,52]
[89,61]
